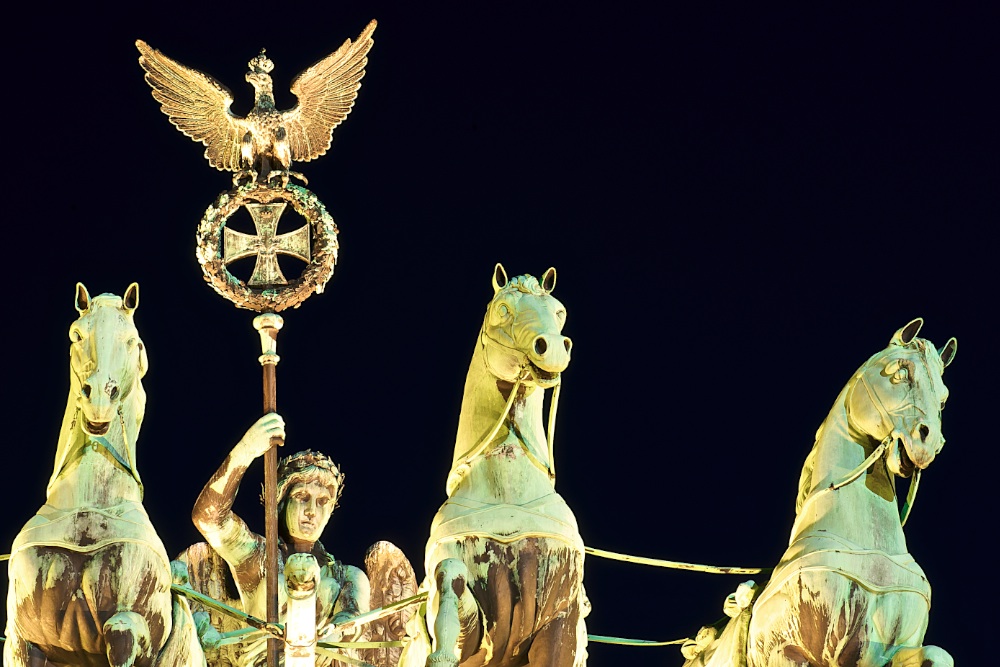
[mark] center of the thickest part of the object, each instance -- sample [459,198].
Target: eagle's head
[259,74]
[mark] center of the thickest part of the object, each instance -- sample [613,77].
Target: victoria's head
[309,485]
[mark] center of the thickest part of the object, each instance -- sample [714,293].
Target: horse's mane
[805,477]
[526,284]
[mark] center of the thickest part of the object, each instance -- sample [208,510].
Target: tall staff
[260,149]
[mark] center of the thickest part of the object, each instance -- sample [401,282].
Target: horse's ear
[131,298]
[499,278]
[549,279]
[82,298]
[906,335]
[947,352]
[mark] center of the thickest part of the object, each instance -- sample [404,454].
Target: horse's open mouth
[543,377]
[95,428]
[906,466]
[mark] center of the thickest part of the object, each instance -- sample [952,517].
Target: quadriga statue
[504,560]
[89,577]
[847,591]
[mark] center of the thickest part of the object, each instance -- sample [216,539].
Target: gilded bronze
[265,142]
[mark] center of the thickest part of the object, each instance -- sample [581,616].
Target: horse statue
[89,577]
[505,556]
[846,591]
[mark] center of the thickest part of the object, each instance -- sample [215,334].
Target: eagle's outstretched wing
[326,92]
[197,104]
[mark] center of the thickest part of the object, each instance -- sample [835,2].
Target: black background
[742,206]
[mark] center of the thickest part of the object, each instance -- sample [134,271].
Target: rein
[911,495]
[459,469]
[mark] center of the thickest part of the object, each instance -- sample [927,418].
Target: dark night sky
[741,206]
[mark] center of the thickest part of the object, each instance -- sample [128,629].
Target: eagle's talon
[249,176]
[285,174]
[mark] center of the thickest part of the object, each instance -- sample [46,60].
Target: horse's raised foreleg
[457,623]
[924,656]
[127,636]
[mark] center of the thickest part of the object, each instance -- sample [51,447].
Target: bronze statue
[847,591]
[89,576]
[266,141]
[309,485]
[504,560]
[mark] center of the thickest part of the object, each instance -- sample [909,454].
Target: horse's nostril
[568,344]
[114,393]
[540,345]
[924,432]
[86,391]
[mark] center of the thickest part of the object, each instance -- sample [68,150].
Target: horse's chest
[64,597]
[509,474]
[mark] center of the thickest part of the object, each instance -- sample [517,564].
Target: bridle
[886,416]
[483,447]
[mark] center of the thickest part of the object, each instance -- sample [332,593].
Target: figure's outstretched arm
[212,514]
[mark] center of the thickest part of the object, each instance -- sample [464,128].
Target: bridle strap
[457,470]
[911,496]
[854,474]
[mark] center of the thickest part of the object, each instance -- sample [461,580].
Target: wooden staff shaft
[271,517]
[268,325]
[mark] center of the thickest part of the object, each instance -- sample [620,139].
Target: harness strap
[601,639]
[911,495]
[694,567]
[459,469]
[854,474]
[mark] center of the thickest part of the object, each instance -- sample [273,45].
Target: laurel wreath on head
[210,251]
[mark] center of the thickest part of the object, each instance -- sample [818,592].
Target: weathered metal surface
[266,291]
[392,579]
[307,489]
[504,560]
[266,244]
[89,577]
[847,591]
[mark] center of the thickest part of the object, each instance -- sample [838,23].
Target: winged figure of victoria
[263,144]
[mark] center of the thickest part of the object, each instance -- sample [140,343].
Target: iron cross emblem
[266,244]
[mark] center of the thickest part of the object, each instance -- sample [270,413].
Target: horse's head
[107,358]
[897,397]
[521,333]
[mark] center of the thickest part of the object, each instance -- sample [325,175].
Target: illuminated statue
[504,560]
[847,591]
[309,485]
[266,141]
[89,577]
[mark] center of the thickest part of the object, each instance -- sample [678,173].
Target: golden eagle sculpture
[266,142]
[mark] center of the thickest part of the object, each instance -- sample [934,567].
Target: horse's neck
[865,510]
[85,472]
[483,406]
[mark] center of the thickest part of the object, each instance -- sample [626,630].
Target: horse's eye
[900,376]
[75,335]
[130,343]
[503,311]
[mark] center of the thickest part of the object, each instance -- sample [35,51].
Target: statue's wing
[209,574]
[326,92]
[392,579]
[197,104]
